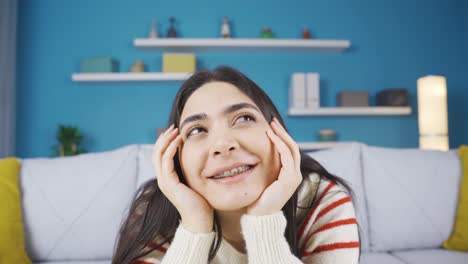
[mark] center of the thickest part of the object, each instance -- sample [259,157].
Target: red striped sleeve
[334,246]
[155,246]
[323,212]
[333,206]
[300,233]
[331,225]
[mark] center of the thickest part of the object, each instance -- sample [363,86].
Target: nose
[224,146]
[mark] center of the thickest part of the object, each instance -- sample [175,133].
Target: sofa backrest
[404,198]
[345,162]
[73,206]
[411,195]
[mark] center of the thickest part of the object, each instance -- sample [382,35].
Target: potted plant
[69,138]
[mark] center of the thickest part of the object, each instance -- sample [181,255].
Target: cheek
[190,164]
[260,144]
[255,137]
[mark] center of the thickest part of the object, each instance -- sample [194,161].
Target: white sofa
[406,201]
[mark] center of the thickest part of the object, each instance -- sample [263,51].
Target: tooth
[232,172]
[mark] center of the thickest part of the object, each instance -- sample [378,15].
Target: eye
[192,133]
[245,118]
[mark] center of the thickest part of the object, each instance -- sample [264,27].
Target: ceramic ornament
[225,29]
[171,32]
[154,30]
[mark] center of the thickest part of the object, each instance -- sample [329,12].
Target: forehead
[212,97]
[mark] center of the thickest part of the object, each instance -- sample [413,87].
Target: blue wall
[393,44]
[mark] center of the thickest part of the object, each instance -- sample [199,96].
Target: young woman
[233,187]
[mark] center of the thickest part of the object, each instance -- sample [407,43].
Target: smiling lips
[231,170]
[234,178]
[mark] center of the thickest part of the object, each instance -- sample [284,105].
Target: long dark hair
[152,217]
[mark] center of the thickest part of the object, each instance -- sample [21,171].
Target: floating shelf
[118,77]
[336,111]
[287,45]
[322,145]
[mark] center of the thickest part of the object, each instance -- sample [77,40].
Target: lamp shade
[432,113]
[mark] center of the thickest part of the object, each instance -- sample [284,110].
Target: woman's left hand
[275,196]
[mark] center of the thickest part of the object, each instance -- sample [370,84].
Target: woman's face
[222,129]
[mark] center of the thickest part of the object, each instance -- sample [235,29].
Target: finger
[160,147]
[294,176]
[167,178]
[164,139]
[167,131]
[167,160]
[285,135]
[170,128]
[292,145]
[285,154]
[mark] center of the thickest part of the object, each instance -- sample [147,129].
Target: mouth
[234,175]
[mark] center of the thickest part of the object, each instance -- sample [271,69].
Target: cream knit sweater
[327,233]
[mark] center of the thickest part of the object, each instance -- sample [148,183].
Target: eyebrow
[227,110]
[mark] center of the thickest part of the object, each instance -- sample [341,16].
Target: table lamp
[432,113]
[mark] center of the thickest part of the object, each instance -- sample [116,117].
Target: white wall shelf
[126,76]
[350,111]
[322,145]
[259,44]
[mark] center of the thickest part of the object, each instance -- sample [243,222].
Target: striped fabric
[327,232]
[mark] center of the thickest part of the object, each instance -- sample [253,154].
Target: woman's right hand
[196,213]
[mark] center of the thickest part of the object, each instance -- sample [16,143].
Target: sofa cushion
[77,262]
[432,256]
[12,248]
[74,206]
[411,196]
[145,165]
[459,238]
[345,162]
[379,258]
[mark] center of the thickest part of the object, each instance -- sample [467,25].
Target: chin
[236,201]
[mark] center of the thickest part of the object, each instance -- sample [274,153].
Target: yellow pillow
[459,238]
[12,248]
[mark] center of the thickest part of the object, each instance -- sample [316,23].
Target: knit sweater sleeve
[265,240]
[329,233]
[186,247]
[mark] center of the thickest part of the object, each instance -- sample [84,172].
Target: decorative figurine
[225,30]
[154,31]
[325,135]
[171,33]
[138,67]
[306,33]
[266,33]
